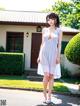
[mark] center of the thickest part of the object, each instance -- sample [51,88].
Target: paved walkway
[32,98]
[73,88]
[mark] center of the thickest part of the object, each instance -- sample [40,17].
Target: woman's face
[51,22]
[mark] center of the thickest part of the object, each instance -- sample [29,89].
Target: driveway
[32,98]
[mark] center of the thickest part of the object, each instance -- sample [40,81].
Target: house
[20,31]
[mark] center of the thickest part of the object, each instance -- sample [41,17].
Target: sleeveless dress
[48,54]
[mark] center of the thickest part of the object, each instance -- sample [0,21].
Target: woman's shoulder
[44,29]
[59,29]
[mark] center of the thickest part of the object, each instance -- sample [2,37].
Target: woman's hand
[38,60]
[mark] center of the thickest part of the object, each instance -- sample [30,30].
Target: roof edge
[24,11]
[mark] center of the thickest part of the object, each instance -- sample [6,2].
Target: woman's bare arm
[59,48]
[59,43]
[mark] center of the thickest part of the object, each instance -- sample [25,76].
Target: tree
[76,13]
[68,12]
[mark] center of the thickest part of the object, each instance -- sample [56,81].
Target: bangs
[52,16]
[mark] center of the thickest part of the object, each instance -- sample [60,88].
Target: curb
[30,89]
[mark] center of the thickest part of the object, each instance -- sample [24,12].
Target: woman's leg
[50,86]
[45,83]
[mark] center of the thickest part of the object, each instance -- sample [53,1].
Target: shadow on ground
[63,100]
[49,104]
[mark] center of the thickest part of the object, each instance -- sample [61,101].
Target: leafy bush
[11,63]
[2,49]
[72,50]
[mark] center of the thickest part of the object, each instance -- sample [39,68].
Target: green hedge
[11,63]
[2,49]
[72,50]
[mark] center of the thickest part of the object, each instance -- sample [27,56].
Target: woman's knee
[46,76]
[51,77]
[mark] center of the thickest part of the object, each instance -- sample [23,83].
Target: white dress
[48,54]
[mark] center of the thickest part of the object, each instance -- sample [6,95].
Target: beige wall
[66,37]
[2,36]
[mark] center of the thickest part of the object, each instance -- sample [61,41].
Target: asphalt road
[32,98]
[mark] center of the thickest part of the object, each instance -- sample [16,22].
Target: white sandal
[48,101]
[45,101]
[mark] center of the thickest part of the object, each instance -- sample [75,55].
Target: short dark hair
[53,16]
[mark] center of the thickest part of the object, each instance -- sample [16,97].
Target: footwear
[48,101]
[45,101]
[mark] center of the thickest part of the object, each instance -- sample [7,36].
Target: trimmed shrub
[2,49]
[72,50]
[11,63]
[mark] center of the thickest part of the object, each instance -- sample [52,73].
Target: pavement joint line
[65,93]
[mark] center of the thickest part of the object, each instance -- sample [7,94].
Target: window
[14,42]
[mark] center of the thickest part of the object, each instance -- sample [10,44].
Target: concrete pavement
[73,88]
[32,98]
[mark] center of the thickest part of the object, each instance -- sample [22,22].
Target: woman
[49,55]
